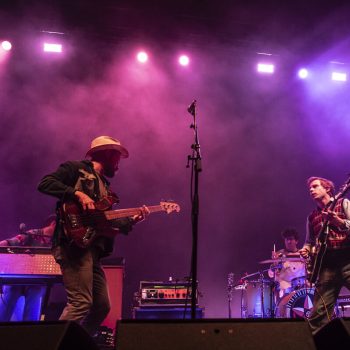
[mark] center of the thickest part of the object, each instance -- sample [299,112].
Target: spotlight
[303,73]
[6,45]
[49,47]
[265,68]
[184,60]
[337,76]
[142,57]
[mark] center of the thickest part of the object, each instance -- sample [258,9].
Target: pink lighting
[142,57]
[48,47]
[265,68]
[184,60]
[6,45]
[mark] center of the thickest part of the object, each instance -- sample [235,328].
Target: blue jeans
[33,297]
[335,274]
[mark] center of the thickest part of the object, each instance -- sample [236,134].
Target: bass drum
[256,300]
[297,304]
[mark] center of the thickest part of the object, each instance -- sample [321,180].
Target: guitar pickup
[73,221]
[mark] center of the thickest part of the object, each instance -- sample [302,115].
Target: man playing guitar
[329,222]
[82,184]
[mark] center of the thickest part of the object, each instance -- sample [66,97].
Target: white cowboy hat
[102,143]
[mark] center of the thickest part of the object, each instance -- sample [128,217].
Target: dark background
[261,136]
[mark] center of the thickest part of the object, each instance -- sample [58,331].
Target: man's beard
[109,171]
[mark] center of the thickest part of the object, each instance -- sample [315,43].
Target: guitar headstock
[170,206]
[345,188]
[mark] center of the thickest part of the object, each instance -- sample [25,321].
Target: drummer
[288,273]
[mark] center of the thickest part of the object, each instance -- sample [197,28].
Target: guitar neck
[124,213]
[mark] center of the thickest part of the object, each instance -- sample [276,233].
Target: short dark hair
[290,232]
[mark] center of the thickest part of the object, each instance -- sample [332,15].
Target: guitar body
[82,227]
[315,262]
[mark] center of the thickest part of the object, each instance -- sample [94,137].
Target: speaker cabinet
[207,334]
[114,271]
[334,335]
[60,335]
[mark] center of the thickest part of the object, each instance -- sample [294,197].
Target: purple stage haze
[261,137]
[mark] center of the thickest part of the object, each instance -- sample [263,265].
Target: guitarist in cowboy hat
[334,270]
[84,184]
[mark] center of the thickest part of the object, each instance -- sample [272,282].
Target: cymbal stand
[230,279]
[261,280]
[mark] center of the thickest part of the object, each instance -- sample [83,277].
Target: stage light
[184,60]
[142,57]
[49,47]
[337,76]
[265,68]
[303,73]
[6,45]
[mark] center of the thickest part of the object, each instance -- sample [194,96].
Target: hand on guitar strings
[333,218]
[86,202]
[142,216]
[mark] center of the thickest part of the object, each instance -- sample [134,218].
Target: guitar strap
[102,187]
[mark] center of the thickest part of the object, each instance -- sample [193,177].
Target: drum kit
[285,293]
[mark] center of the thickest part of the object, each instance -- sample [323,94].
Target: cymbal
[273,261]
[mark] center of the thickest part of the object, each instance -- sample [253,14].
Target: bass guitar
[317,253]
[82,227]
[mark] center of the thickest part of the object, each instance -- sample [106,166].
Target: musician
[284,271]
[33,294]
[335,267]
[85,182]
[291,239]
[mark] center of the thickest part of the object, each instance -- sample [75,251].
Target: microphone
[192,107]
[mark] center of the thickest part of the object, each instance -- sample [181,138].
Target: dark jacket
[72,176]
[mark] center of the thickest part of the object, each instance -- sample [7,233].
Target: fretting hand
[142,216]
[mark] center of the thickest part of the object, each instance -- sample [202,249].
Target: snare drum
[257,300]
[298,282]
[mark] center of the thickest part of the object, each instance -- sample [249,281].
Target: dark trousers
[86,286]
[334,274]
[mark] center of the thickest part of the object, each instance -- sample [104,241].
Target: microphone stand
[196,168]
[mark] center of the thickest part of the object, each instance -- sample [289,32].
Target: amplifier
[153,293]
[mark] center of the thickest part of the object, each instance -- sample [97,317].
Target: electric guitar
[82,227]
[317,253]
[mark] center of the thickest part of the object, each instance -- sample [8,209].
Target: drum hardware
[256,296]
[288,273]
[298,282]
[230,288]
[282,260]
[343,305]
